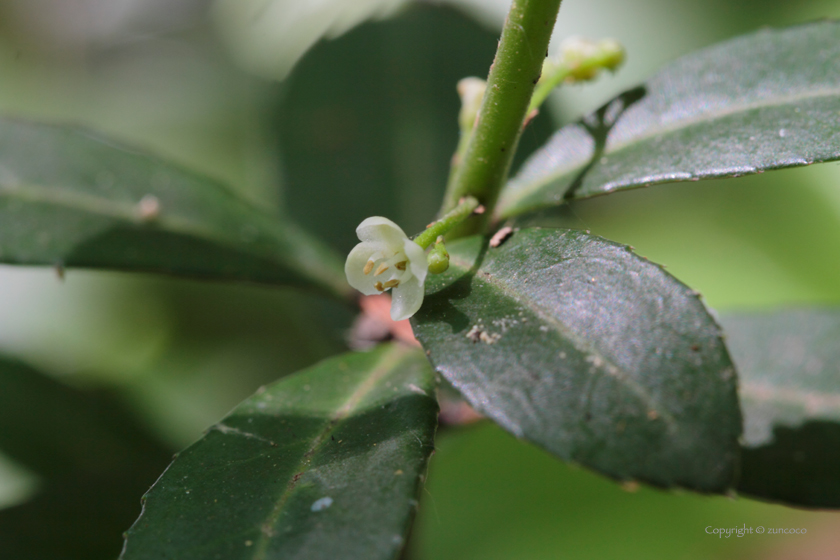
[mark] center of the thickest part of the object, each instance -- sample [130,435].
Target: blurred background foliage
[364,124]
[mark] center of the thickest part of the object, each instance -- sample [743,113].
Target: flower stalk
[466,206]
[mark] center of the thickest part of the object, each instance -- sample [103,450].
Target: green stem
[460,151]
[544,88]
[515,71]
[441,227]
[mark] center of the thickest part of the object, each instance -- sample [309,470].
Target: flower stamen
[368,267]
[400,265]
[379,286]
[382,268]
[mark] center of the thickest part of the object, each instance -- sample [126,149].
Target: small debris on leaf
[477,333]
[501,236]
[414,388]
[148,208]
[630,486]
[322,504]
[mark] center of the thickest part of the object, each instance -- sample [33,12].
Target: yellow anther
[382,268]
[368,267]
[379,286]
[392,283]
[401,265]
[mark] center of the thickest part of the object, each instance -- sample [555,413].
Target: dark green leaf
[326,464]
[383,145]
[789,365]
[68,198]
[93,459]
[601,357]
[763,101]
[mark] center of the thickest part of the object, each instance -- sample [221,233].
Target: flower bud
[438,258]
[584,58]
[471,91]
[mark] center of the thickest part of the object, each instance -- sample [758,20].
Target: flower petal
[354,268]
[406,299]
[416,260]
[377,229]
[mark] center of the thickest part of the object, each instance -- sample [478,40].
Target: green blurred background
[365,124]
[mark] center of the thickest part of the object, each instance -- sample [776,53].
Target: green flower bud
[584,58]
[612,52]
[471,91]
[438,258]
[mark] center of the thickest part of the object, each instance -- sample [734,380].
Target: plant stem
[454,217]
[513,75]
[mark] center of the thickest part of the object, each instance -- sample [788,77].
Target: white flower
[387,259]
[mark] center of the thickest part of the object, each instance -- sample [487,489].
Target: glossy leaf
[577,344]
[69,198]
[326,463]
[789,366]
[93,460]
[763,101]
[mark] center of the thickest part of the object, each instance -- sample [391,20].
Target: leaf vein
[518,192]
[600,362]
[377,373]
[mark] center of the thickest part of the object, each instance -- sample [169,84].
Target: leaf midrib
[281,235]
[99,206]
[579,344]
[383,367]
[527,189]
